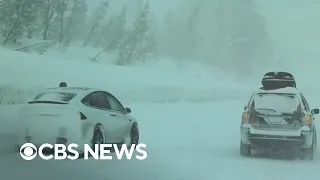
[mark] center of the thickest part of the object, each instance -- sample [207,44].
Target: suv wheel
[309,152]
[245,150]
[312,150]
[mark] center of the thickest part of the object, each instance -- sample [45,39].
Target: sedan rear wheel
[97,139]
[134,135]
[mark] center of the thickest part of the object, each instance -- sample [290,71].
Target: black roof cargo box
[276,80]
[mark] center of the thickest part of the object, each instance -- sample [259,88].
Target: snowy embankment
[23,74]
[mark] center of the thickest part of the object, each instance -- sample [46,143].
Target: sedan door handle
[113,115]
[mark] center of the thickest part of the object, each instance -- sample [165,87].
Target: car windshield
[55,96]
[276,102]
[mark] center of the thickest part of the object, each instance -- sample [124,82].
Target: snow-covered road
[185,141]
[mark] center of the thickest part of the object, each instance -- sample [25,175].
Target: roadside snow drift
[23,74]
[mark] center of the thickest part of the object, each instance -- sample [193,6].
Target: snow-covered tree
[31,17]
[226,33]
[48,13]
[76,21]
[98,18]
[114,30]
[180,35]
[242,36]
[61,14]
[10,14]
[16,17]
[139,43]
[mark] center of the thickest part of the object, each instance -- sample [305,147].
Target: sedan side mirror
[128,110]
[315,111]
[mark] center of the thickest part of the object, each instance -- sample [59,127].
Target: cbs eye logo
[28,151]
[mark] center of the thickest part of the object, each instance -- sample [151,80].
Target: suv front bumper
[276,138]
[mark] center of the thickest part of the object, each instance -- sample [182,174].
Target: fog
[294,26]
[183,66]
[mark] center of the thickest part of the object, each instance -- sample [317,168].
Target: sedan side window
[115,104]
[99,100]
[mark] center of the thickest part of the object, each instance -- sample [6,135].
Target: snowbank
[23,74]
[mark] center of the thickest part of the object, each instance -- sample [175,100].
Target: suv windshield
[276,102]
[55,96]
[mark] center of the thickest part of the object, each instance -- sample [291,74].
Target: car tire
[293,154]
[316,140]
[302,154]
[309,152]
[312,150]
[245,149]
[134,135]
[98,137]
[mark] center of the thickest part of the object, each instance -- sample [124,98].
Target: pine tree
[61,13]
[17,16]
[139,44]
[75,21]
[98,18]
[243,38]
[115,30]
[32,19]
[48,15]
[112,34]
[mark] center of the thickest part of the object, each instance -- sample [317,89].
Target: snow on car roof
[77,90]
[287,90]
[72,88]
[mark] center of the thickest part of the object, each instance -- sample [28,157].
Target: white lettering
[40,151]
[143,152]
[94,153]
[75,152]
[60,149]
[124,149]
[103,151]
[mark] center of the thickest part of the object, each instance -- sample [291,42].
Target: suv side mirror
[128,110]
[315,111]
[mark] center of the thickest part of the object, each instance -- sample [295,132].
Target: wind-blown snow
[23,74]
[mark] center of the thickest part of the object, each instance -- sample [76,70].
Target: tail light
[245,118]
[307,120]
[82,116]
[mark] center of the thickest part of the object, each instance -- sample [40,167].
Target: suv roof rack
[277,80]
